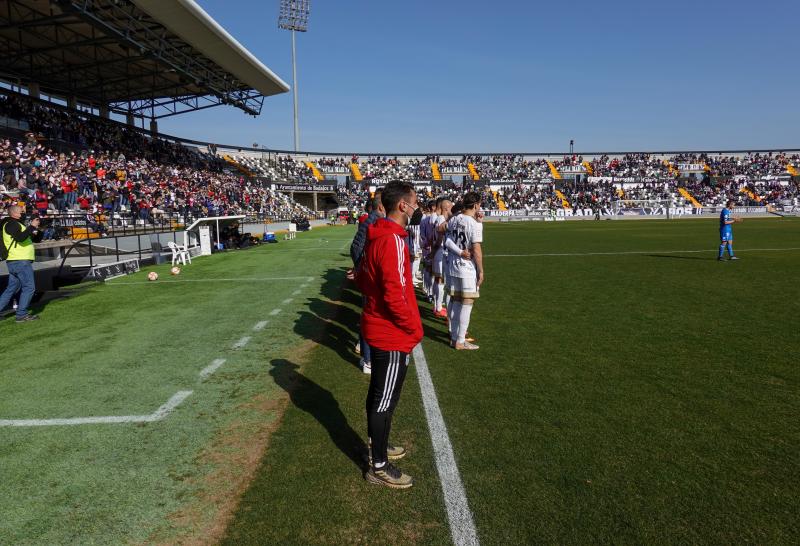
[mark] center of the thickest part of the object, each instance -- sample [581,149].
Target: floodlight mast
[293,16]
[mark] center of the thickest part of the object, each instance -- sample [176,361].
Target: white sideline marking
[211,368]
[707,250]
[275,312]
[287,301]
[260,325]
[241,343]
[296,292]
[462,526]
[244,279]
[157,415]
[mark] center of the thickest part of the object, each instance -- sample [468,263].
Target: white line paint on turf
[211,368]
[157,415]
[707,251]
[304,285]
[260,325]
[243,279]
[309,279]
[296,292]
[275,312]
[462,526]
[241,343]
[287,301]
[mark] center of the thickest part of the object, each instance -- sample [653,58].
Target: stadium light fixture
[293,16]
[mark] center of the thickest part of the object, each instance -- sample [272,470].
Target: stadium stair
[689,197]
[555,173]
[233,163]
[437,175]
[317,175]
[588,167]
[749,193]
[356,172]
[672,170]
[473,172]
[564,203]
[499,200]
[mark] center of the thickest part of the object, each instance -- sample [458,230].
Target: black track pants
[388,373]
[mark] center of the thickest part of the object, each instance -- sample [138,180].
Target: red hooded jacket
[390,319]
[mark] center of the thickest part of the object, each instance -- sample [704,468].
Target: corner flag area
[629,388]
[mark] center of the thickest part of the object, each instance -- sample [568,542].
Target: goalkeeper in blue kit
[726,222]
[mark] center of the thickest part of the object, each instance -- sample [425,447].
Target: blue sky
[503,76]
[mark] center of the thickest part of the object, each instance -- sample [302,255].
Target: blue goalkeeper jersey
[725,229]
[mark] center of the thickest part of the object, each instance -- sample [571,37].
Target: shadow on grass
[333,320]
[320,403]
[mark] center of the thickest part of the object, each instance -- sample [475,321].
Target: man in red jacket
[391,324]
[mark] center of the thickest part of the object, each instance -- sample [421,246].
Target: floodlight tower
[293,16]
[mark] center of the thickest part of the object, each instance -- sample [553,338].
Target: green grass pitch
[629,389]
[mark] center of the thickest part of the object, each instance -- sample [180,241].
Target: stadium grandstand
[632,386]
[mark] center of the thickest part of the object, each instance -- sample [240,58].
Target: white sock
[463,322]
[455,317]
[438,295]
[426,282]
[414,269]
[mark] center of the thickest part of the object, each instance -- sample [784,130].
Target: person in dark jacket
[17,241]
[391,325]
[374,211]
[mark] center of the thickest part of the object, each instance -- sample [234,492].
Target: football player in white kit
[464,238]
[437,250]
[426,238]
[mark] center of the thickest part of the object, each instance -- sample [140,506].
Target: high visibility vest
[18,251]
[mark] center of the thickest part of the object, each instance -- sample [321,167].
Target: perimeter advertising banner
[304,187]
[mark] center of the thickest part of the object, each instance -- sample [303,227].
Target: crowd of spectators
[119,173]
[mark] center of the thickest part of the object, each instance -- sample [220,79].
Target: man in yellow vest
[17,241]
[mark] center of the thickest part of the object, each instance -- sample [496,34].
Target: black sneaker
[389,476]
[27,318]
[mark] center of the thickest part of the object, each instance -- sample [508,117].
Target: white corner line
[462,525]
[275,312]
[211,368]
[260,325]
[241,343]
[157,415]
[287,301]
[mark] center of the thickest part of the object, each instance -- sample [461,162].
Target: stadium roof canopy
[152,58]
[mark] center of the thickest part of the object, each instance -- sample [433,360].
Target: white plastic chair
[179,253]
[292,233]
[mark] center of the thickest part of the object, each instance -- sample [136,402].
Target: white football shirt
[464,231]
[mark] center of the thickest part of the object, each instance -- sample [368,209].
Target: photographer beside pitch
[19,253]
[390,323]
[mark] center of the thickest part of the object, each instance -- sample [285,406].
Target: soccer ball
[175,270]
[152,276]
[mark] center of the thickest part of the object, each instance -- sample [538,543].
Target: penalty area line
[633,252]
[242,279]
[462,525]
[157,415]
